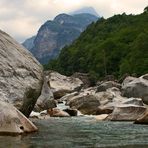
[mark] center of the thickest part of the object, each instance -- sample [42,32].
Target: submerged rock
[61,84]
[137,88]
[21,75]
[13,122]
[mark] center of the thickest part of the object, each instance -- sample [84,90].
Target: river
[80,132]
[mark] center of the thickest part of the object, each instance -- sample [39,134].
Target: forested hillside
[112,46]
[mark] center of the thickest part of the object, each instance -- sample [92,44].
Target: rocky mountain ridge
[53,35]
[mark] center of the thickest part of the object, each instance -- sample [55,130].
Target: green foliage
[146,9]
[112,46]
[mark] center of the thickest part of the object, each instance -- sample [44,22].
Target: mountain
[53,35]
[112,46]
[89,10]
[29,43]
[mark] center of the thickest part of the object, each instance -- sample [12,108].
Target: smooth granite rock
[137,88]
[21,75]
[13,122]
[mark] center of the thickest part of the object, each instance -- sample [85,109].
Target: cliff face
[54,35]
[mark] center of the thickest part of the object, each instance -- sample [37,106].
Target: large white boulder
[126,112]
[137,88]
[13,122]
[21,75]
[61,84]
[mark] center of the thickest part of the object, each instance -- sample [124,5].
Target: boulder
[112,98]
[106,85]
[55,112]
[127,80]
[71,112]
[86,104]
[133,101]
[145,77]
[13,122]
[34,114]
[143,119]
[100,117]
[126,112]
[84,77]
[21,75]
[39,115]
[61,85]
[104,110]
[46,99]
[137,88]
[69,96]
[89,102]
[109,99]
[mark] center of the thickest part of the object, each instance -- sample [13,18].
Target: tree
[112,46]
[146,9]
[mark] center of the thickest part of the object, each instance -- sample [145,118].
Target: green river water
[80,132]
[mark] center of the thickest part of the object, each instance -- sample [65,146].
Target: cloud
[22,18]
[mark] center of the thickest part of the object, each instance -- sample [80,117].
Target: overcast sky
[22,18]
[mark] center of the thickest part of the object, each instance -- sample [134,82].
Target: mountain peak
[89,10]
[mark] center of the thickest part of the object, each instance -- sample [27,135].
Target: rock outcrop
[61,84]
[137,88]
[13,122]
[21,75]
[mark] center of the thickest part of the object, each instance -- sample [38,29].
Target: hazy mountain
[29,43]
[89,10]
[53,35]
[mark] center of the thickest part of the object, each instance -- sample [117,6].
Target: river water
[80,132]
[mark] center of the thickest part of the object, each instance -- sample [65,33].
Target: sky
[22,18]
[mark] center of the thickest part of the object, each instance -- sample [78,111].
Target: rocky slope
[54,35]
[21,75]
